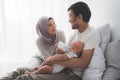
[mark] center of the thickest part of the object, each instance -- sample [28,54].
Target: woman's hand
[27,72]
[36,68]
[59,50]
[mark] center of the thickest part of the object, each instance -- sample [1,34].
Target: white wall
[114,17]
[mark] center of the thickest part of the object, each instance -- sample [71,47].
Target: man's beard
[75,26]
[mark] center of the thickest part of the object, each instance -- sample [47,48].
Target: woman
[48,37]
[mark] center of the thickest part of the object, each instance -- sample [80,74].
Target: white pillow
[112,54]
[105,34]
[96,67]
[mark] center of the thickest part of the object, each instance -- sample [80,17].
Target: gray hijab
[42,31]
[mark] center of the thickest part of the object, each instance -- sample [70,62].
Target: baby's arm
[54,58]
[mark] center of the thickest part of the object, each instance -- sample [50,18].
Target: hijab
[42,31]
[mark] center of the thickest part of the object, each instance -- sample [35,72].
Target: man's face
[73,20]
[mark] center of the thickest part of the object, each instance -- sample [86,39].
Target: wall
[114,18]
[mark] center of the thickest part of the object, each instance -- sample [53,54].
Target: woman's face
[51,27]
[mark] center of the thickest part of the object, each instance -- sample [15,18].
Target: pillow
[112,55]
[105,34]
[96,67]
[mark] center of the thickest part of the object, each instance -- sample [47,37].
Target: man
[79,16]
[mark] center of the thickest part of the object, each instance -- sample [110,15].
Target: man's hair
[81,8]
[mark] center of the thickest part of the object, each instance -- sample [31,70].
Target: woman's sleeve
[34,61]
[44,52]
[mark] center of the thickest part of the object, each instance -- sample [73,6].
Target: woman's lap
[57,76]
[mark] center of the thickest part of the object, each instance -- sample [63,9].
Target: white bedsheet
[6,67]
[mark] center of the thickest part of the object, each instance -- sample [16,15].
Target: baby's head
[76,47]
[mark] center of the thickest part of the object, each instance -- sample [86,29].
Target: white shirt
[90,37]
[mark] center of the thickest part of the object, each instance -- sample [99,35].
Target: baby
[75,50]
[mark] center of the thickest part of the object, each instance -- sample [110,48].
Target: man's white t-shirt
[90,37]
